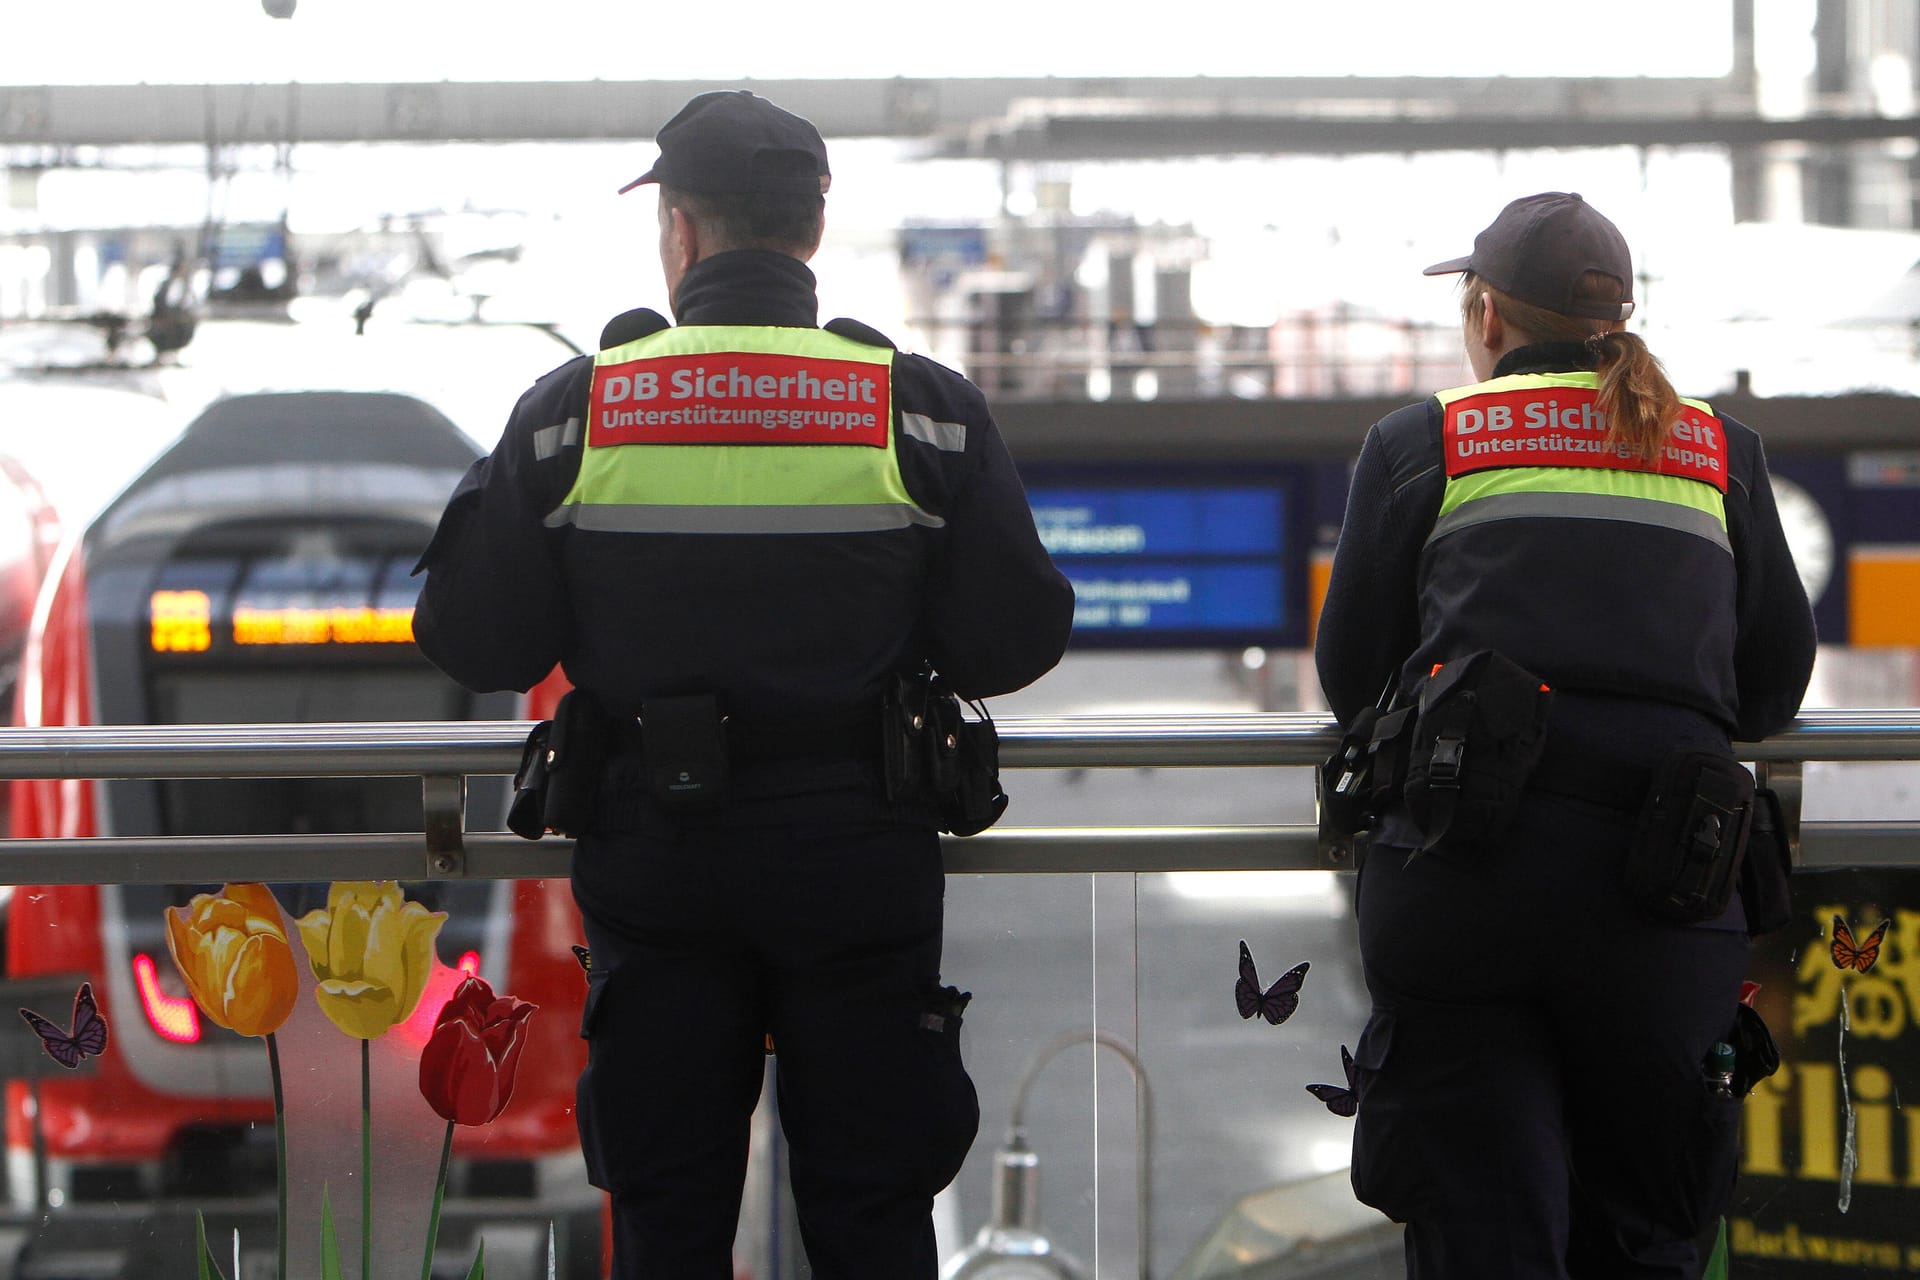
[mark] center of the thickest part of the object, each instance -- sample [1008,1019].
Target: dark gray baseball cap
[1538,249]
[733,141]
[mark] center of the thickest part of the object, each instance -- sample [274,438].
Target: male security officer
[735,532]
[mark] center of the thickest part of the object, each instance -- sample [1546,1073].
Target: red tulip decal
[467,1068]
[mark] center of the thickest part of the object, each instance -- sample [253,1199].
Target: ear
[1493,328]
[817,240]
[684,239]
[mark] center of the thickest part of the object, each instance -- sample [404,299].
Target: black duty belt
[1562,772]
[762,741]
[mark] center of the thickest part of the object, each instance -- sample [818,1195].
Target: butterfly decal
[584,956]
[85,1037]
[1342,1102]
[1277,1003]
[1847,954]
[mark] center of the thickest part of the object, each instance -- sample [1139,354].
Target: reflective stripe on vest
[1532,446]
[738,429]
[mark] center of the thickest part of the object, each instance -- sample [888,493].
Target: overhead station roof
[1007,118]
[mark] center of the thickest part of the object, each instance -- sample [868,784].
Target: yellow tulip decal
[232,949]
[371,950]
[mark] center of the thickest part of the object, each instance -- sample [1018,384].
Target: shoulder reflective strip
[1584,506]
[950,437]
[1516,382]
[1645,485]
[708,338]
[548,441]
[873,518]
[1521,381]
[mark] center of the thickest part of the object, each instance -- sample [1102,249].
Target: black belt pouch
[684,743]
[934,755]
[975,801]
[1480,729]
[1691,837]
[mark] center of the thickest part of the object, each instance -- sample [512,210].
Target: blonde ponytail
[1638,401]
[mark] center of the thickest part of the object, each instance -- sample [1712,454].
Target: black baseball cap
[732,141]
[1540,246]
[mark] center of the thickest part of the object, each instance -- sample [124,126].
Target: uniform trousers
[1533,1104]
[707,937]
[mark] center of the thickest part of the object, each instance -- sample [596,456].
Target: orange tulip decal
[467,1068]
[232,949]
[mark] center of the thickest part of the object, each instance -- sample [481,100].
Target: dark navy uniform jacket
[779,626]
[1624,612]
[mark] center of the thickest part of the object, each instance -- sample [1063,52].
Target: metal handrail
[484,747]
[445,754]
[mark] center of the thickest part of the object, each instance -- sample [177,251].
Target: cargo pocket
[585,1108]
[1379,1176]
[953,1108]
[1710,1162]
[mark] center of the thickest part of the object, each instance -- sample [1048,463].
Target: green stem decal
[279,1146]
[1717,1261]
[366,1160]
[329,1238]
[439,1193]
[209,1269]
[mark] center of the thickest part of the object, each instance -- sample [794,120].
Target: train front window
[252,806]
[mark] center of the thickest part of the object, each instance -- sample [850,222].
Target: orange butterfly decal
[1847,954]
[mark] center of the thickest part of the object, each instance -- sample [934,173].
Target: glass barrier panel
[141,1097]
[1106,1037]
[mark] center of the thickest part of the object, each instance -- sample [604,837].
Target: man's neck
[748,286]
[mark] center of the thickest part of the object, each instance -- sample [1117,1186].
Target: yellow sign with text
[1830,1152]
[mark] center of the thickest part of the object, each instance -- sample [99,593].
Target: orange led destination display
[182,623]
[344,625]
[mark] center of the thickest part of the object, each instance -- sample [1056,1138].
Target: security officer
[1533,1100]
[762,521]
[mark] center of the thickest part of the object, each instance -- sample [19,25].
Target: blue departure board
[1191,563]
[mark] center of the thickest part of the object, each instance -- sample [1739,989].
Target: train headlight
[172,1017]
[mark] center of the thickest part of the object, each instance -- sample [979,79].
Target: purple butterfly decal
[85,1038]
[1342,1102]
[1277,1003]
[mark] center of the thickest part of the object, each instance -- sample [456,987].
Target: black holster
[558,780]
[934,755]
[1691,837]
[1365,772]
[1764,892]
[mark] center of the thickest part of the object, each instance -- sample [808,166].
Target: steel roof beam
[955,116]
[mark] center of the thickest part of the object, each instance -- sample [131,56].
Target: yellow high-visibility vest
[1534,446]
[741,429]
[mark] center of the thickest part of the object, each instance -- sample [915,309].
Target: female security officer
[1533,1096]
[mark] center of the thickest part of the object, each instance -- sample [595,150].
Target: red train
[259,571]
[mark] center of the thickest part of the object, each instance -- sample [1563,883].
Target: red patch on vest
[740,397]
[1561,427]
